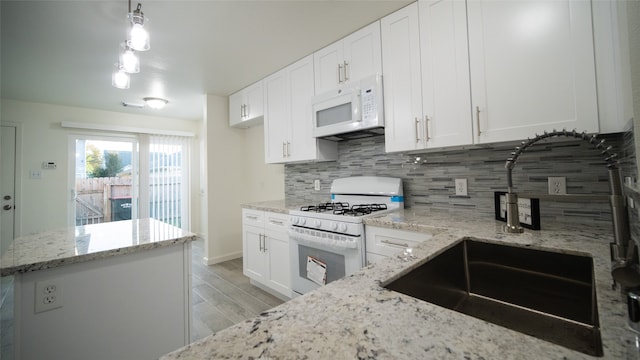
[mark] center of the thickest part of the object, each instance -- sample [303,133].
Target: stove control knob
[301,221]
[317,223]
[334,226]
[343,228]
[294,220]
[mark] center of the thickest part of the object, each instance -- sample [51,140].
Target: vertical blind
[169,179]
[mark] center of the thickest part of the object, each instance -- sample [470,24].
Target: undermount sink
[549,295]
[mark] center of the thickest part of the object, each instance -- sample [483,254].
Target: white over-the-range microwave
[350,111]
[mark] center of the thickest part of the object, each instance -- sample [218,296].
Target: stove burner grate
[324,207]
[360,210]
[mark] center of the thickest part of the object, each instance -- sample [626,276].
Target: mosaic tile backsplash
[428,178]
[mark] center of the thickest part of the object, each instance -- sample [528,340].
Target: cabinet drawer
[253,217]
[276,221]
[389,242]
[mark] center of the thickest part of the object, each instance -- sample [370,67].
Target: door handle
[6,207]
[346,71]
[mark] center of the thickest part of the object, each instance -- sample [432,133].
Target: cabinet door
[279,277]
[327,74]
[532,67]
[445,73]
[362,53]
[302,146]
[235,108]
[276,117]
[402,84]
[253,256]
[254,100]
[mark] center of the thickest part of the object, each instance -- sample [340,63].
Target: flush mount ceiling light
[137,35]
[155,103]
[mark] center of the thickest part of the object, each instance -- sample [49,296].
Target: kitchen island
[118,290]
[356,317]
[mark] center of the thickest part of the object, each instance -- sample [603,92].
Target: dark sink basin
[545,294]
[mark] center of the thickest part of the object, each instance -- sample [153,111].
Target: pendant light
[137,35]
[120,78]
[128,59]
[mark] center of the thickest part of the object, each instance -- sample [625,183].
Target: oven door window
[335,262]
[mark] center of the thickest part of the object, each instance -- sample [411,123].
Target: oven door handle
[310,237]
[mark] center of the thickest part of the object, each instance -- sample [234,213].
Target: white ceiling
[62,52]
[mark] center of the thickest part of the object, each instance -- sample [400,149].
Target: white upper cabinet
[426,77]
[532,68]
[246,106]
[524,67]
[446,99]
[402,85]
[288,117]
[350,59]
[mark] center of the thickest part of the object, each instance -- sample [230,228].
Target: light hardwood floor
[222,296]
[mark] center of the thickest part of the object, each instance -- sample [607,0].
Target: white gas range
[327,240]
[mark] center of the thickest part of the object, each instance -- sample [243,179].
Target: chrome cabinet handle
[426,126]
[260,242]
[340,74]
[395,243]
[346,71]
[287,147]
[417,130]
[478,120]
[276,222]
[284,150]
[264,243]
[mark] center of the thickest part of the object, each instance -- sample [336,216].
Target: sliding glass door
[128,178]
[104,186]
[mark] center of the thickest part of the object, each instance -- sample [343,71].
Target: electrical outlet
[557,185]
[461,187]
[48,295]
[316,185]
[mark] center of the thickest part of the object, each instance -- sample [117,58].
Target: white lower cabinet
[265,249]
[382,243]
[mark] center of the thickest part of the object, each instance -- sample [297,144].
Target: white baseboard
[223,258]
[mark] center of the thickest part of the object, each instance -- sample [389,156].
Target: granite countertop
[357,318]
[71,245]
[276,206]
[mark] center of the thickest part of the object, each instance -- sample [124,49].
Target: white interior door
[7,193]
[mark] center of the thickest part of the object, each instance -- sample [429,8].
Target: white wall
[43,203]
[235,174]
[264,181]
[225,182]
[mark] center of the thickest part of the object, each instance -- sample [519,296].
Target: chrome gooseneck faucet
[622,249]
